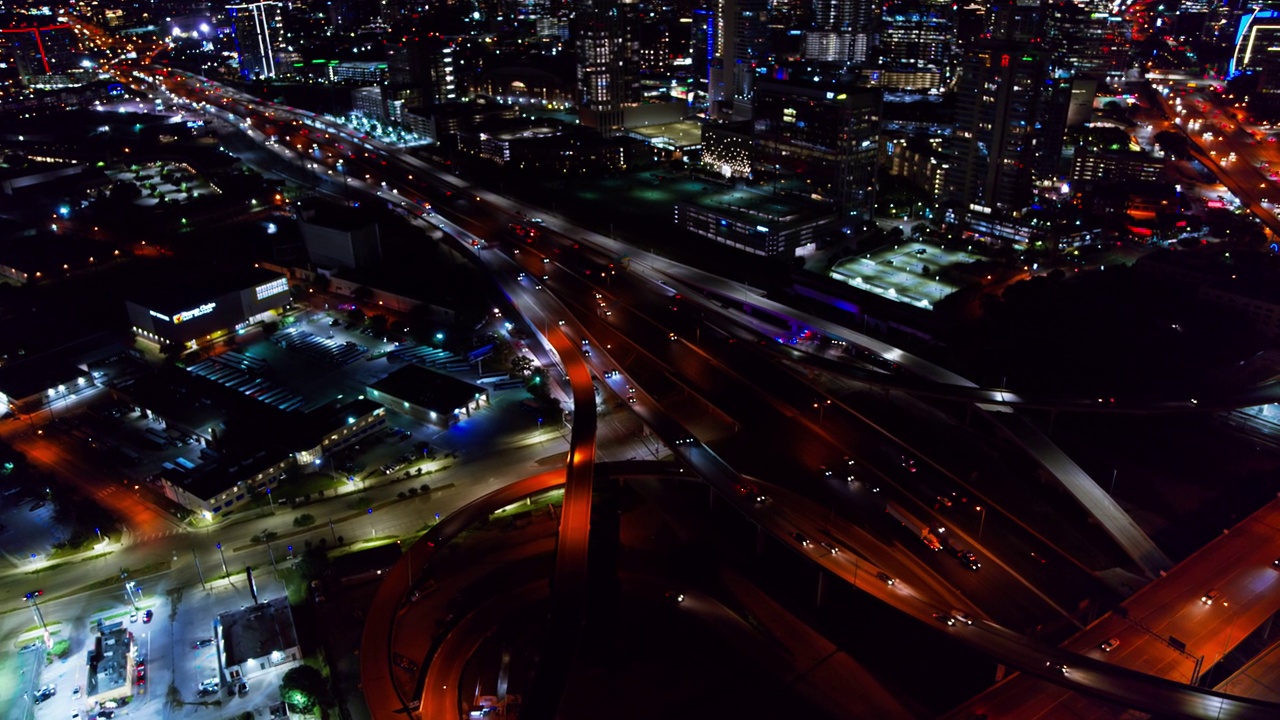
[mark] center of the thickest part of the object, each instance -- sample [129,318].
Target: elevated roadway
[1157,699]
[1166,630]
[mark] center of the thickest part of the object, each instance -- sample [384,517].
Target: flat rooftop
[681,134]
[428,389]
[190,287]
[257,631]
[916,273]
[752,204]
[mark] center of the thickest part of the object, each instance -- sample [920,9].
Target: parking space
[323,349]
[915,273]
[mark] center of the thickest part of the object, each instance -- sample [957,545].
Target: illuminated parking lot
[915,273]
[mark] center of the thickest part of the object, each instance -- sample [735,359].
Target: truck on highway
[917,528]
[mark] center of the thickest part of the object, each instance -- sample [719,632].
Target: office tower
[824,131]
[740,47]
[421,71]
[1017,21]
[608,66]
[858,20]
[914,47]
[256,28]
[1086,42]
[42,54]
[1010,118]
[827,46]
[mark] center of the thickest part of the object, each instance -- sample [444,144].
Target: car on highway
[945,619]
[671,336]
[632,399]
[45,693]
[1056,666]
[611,374]
[830,547]
[908,464]
[1209,597]
[800,538]
[206,642]
[962,617]
[886,578]
[146,616]
[969,559]
[1110,645]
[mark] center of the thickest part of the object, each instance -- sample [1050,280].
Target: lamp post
[821,407]
[982,520]
[35,609]
[129,588]
[223,555]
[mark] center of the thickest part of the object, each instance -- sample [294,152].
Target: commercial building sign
[186,315]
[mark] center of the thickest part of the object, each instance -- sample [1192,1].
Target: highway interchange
[717,358]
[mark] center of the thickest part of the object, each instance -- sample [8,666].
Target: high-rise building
[824,130]
[42,54]
[858,19]
[608,67]
[256,27]
[1010,118]
[915,42]
[421,71]
[740,39]
[1086,42]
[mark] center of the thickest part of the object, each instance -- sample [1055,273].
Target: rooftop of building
[257,631]
[752,205]
[316,211]
[426,388]
[193,287]
[25,376]
[682,134]
[109,663]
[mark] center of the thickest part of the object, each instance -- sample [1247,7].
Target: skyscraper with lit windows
[257,28]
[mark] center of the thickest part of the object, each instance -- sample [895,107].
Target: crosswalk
[155,535]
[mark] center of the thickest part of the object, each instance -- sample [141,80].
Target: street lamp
[223,555]
[35,609]
[129,589]
[821,408]
[982,520]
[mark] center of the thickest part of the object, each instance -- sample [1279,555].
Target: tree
[304,688]
[304,520]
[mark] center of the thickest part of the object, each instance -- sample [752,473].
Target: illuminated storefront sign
[185,315]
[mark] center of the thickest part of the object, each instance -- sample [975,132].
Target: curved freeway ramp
[569,583]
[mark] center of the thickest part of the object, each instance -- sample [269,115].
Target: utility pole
[199,572]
